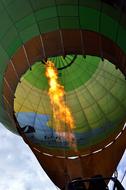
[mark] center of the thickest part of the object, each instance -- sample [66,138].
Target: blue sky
[19,169]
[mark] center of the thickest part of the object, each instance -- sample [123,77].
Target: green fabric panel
[14,46]
[38,4]
[119,92]
[121,37]
[49,3]
[18,9]
[62,62]
[66,22]
[81,118]
[89,18]
[106,9]
[108,27]
[1,8]
[9,38]
[67,2]
[98,90]
[46,13]
[29,32]
[85,98]
[1,90]
[37,76]
[25,22]
[75,103]
[6,121]
[49,25]
[7,2]
[3,60]
[67,11]
[108,104]
[111,12]
[5,23]
[10,126]
[94,114]
[82,68]
[117,114]
[94,3]
[3,115]
[100,122]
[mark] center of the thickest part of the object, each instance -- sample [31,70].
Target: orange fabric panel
[104,162]
[72,41]
[8,106]
[34,49]
[91,43]
[20,62]
[11,77]
[53,44]
[8,93]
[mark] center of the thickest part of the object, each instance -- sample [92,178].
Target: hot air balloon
[85,41]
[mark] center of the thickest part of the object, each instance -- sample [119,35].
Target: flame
[64,122]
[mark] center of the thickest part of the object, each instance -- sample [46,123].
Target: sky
[20,170]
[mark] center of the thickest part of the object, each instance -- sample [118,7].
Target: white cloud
[19,169]
[122,169]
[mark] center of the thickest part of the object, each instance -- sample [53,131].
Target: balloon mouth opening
[36,119]
[61,62]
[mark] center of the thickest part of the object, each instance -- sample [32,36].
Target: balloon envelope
[86,42]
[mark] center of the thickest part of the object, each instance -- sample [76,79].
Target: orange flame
[64,121]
